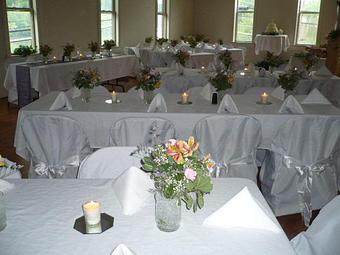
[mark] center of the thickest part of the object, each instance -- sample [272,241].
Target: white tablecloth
[275,44]
[96,117]
[46,78]
[41,214]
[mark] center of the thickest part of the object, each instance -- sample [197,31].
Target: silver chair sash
[54,171]
[222,169]
[305,181]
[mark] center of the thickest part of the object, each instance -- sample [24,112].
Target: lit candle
[264,98]
[242,73]
[80,55]
[203,69]
[114,96]
[246,69]
[54,58]
[92,212]
[185,98]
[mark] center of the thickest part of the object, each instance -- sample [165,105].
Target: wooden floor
[291,224]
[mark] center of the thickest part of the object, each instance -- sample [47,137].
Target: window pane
[308,28]
[244,27]
[246,5]
[20,28]
[106,27]
[18,3]
[160,6]
[310,5]
[106,5]
[160,26]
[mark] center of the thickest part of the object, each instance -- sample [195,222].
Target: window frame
[236,14]
[165,16]
[299,12]
[31,10]
[114,14]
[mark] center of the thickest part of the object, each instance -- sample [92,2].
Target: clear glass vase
[289,93]
[148,96]
[2,212]
[221,94]
[167,213]
[85,95]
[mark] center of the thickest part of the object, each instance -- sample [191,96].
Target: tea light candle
[246,69]
[242,73]
[202,69]
[54,58]
[80,55]
[185,98]
[264,98]
[114,96]
[92,212]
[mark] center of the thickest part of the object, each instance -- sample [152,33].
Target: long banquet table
[97,116]
[58,76]
[41,214]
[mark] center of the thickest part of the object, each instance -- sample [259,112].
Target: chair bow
[222,169]
[305,181]
[54,171]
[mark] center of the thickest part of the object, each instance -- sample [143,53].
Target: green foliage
[271,61]
[45,50]
[333,35]
[222,80]
[24,51]
[225,58]
[109,44]
[86,78]
[148,79]
[182,57]
[160,41]
[68,49]
[308,59]
[93,46]
[148,39]
[289,80]
[173,43]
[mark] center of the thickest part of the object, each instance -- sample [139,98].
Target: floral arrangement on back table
[86,78]
[289,80]
[109,44]
[222,80]
[45,50]
[148,79]
[24,51]
[179,172]
[182,56]
[225,58]
[308,59]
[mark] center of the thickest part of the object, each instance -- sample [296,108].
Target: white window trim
[115,20]
[236,12]
[165,14]
[298,23]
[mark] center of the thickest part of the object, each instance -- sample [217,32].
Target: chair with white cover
[322,237]
[299,173]
[232,141]
[108,163]
[56,145]
[146,131]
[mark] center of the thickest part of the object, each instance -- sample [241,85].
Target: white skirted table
[275,44]
[41,215]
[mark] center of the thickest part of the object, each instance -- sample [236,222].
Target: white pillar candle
[92,212]
[114,96]
[185,98]
[264,98]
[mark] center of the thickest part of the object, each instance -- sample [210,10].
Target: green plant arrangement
[179,172]
[148,39]
[160,41]
[182,57]
[148,79]
[86,79]
[290,79]
[222,80]
[45,50]
[308,59]
[109,44]
[225,58]
[271,61]
[199,37]
[68,49]
[173,43]
[206,40]
[220,41]
[333,35]
[93,47]
[24,51]
[192,41]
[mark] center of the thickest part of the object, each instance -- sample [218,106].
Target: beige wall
[181,18]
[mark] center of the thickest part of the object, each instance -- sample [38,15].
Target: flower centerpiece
[179,174]
[148,80]
[148,41]
[160,41]
[270,62]
[45,50]
[8,168]
[220,41]
[308,59]
[85,80]
[222,81]
[108,45]
[182,56]
[24,51]
[68,49]
[289,80]
[192,41]
[93,47]
[173,43]
[225,58]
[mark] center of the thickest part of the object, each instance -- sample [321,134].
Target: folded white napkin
[5,187]
[61,102]
[158,104]
[227,105]
[291,105]
[278,93]
[132,189]
[207,91]
[122,250]
[242,211]
[323,71]
[315,97]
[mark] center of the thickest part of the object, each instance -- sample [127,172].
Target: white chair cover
[299,173]
[141,131]
[232,141]
[322,237]
[108,163]
[56,146]
[100,91]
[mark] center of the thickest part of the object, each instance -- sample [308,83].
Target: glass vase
[148,96]
[85,94]
[221,94]
[2,212]
[167,213]
[289,93]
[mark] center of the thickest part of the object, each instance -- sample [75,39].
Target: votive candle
[264,98]
[185,97]
[114,96]
[92,211]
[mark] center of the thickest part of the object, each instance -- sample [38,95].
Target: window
[162,19]
[20,17]
[108,20]
[244,20]
[307,21]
